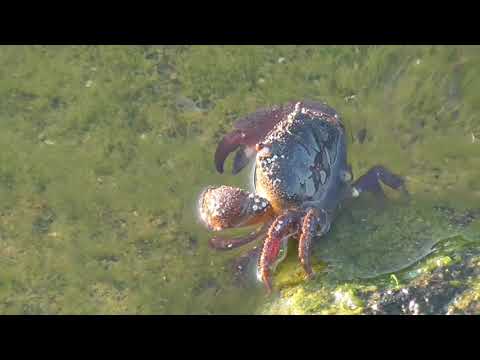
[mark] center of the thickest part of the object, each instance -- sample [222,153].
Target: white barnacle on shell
[255,207]
[297,107]
[276,181]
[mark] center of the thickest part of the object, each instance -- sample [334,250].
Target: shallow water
[104,150]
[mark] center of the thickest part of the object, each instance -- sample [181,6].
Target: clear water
[104,150]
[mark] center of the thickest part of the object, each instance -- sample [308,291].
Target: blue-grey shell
[303,161]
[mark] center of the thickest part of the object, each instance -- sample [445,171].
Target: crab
[301,177]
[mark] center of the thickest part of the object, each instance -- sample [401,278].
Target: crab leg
[282,228]
[370,181]
[311,222]
[225,243]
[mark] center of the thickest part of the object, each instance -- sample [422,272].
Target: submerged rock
[441,272]
[435,293]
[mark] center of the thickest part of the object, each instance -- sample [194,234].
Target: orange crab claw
[226,207]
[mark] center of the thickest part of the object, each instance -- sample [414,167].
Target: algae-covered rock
[439,275]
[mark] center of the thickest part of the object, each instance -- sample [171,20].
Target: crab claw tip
[227,145]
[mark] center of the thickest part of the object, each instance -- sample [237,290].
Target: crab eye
[263,150]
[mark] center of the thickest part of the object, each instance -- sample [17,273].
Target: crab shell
[303,160]
[300,161]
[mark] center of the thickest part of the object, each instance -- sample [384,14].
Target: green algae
[104,150]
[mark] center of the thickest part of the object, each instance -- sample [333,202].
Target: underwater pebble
[89,83]
[281,60]
[413,307]
[347,99]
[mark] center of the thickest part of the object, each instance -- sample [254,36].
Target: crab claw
[226,207]
[235,140]
[229,143]
[247,132]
